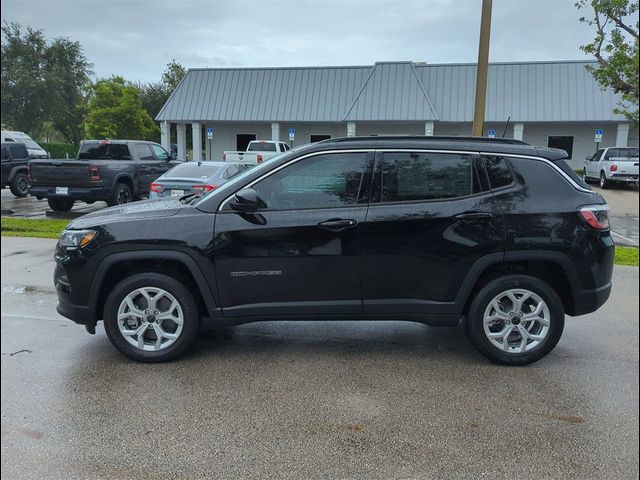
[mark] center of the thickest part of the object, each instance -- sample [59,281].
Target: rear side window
[427,176]
[18,151]
[144,152]
[104,151]
[498,172]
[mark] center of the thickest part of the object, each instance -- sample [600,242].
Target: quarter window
[498,172]
[427,176]
[321,181]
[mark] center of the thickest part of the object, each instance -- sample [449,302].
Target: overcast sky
[136,38]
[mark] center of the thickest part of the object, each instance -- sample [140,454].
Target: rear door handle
[338,224]
[473,216]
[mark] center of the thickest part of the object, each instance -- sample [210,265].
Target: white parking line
[627,239]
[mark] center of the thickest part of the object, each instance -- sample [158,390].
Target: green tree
[22,78]
[115,111]
[615,48]
[43,81]
[68,87]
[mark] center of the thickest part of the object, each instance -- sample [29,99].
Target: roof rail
[453,138]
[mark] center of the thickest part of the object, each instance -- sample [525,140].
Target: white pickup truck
[258,151]
[612,165]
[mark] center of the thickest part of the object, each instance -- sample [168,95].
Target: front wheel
[585,177]
[20,185]
[515,320]
[151,317]
[60,204]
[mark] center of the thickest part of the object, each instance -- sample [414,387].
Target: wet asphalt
[334,400]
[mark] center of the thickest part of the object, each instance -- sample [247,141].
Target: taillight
[156,187]
[613,168]
[597,216]
[94,173]
[224,157]
[259,159]
[204,188]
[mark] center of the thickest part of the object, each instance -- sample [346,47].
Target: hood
[142,210]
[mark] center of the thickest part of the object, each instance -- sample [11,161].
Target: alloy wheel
[150,319]
[516,321]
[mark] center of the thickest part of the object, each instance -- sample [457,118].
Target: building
[554,104]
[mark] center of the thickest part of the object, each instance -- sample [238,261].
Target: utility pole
[483,66]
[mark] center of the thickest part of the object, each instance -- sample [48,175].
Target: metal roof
[391,91]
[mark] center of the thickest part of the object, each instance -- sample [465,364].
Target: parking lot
[311,399]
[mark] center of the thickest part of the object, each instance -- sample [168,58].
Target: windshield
[193,170]
[237,180]
[30,144]
[261,147]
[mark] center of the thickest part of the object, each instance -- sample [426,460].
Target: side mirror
[588,158]
[245,200]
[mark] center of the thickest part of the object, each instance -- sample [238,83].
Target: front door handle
[473,216]
[338,224]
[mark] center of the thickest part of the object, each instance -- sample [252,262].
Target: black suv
[15,159]
[431,229]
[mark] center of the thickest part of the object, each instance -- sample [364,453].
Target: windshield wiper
[187,199]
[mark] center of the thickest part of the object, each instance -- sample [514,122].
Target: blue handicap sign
[599,131]
[491,133]
[209,132]
[292,131]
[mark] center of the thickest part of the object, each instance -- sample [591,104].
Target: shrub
[60,150]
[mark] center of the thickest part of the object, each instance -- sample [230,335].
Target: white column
[275,132]
[622,135]
[351,129]
[165,137]
[196,128]
[181,129]
[428,129]
[518,131]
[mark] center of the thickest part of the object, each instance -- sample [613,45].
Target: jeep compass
[495,233]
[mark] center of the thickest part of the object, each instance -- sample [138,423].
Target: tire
[121,195]
[60,204]
[604,182]
[585,178]
[20,185]
[165,290]
[545,339]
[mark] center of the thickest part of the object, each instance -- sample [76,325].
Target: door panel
[417,253]
[301,253]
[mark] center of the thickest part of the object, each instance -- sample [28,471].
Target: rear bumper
[588,301]
[76,193]
[621,177]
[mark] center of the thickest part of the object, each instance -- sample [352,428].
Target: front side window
[419,176]
[161,153]
[322,181]
[596,156]
[18,151]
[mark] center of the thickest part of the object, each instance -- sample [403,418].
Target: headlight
[76,238]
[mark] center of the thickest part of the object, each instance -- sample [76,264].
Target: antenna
[506,126]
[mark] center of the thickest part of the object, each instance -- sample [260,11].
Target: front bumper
[80,314]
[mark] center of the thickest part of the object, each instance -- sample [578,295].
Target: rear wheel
[121,195]
[20,185]
[151,317]
[515,320]
[60,204]
[604,182]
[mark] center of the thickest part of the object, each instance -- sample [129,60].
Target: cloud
[136,38]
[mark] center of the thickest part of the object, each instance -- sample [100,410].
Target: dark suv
[431,229]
